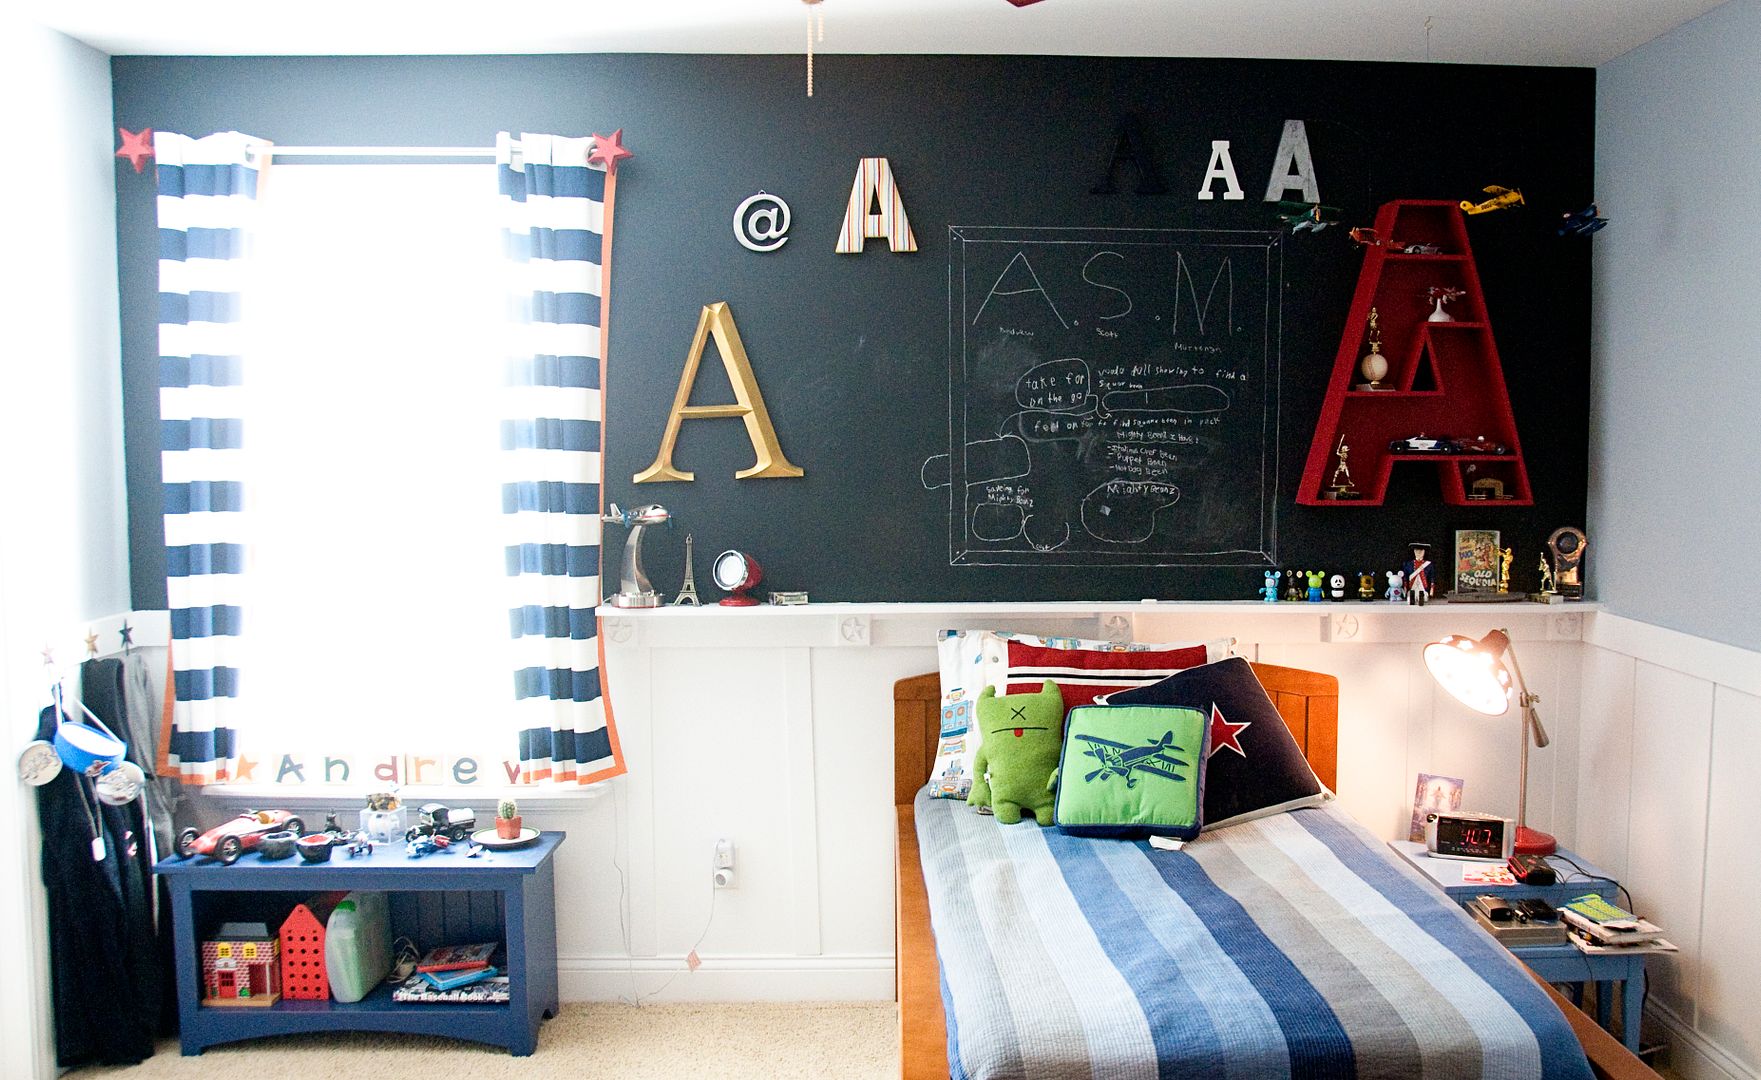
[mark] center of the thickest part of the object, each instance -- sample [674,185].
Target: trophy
[1341,485]
[1504,570]
[1567,548]
[1374,365]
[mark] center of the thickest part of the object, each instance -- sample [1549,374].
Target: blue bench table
[508,896]
[1559,964]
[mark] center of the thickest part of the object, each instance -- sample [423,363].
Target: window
[377,618]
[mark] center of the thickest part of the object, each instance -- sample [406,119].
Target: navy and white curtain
[207,197]
[558,211]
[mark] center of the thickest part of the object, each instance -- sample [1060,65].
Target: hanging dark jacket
[102,951]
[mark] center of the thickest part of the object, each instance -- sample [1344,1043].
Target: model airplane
[1118,759]
[1311,216]
[1582,223]
[1502,199]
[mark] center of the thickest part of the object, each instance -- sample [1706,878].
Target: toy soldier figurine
[1504,571]
[1418,574]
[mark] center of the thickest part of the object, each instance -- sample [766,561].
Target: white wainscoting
[1668,797]
[773,727]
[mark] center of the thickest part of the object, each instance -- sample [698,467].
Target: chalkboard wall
[854,352]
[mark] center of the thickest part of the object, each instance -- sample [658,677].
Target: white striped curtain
[558,225]
[207,198]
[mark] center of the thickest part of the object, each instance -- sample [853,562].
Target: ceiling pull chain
[811,12]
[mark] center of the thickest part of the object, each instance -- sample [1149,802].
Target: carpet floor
[654,1042]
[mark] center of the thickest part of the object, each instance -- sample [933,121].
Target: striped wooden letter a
[876,211]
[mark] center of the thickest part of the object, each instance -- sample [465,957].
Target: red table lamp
[1479,674]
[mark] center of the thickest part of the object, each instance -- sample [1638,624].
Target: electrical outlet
[723,869]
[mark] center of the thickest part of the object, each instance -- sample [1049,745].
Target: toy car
[226,842]
[438,819]
[1370,238]
[425,845]
[1479,444]
[1425,444]
[1502,198]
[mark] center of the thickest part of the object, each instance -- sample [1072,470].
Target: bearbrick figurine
[1023,734]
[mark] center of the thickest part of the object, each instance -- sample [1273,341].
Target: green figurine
[1023,735]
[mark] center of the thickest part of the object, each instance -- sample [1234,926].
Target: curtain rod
[381,151]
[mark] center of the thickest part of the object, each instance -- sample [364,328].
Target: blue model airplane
[1582,223]
[1118,759]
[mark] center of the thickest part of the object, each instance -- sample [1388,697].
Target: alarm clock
[1469,836]
[737,574]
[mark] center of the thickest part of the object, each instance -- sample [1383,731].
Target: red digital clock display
[1456,836]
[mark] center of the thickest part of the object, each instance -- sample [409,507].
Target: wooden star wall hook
[608,150]
[136,147]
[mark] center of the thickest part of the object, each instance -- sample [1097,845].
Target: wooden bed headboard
[1308,701]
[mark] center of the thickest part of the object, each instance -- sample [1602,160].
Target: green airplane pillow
[1132,771]
[1023,734]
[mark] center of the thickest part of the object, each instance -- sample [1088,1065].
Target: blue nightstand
[1554,963]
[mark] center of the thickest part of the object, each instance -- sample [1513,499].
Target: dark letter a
[1133,148]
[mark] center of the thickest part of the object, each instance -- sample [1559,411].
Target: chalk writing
[1146,437]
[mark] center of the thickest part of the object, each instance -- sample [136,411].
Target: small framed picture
[1476,560]
[1429,796]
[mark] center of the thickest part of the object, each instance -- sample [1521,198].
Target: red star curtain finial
[137,148]
[608,150]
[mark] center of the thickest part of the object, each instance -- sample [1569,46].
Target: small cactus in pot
[507,820]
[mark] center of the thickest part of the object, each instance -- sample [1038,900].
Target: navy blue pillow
[1254,768]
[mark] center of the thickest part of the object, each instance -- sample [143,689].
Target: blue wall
[1675,469]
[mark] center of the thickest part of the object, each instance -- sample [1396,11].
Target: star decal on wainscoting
[137,148]
[608,150]
[92,643]
[1223,733]
[246,767]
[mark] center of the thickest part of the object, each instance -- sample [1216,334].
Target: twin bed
[1295,945]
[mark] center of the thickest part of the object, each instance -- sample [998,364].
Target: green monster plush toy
[1023,734]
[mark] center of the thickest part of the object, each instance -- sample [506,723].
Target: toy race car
[1425,444]
[1479,444]
[437,819]
[244,833]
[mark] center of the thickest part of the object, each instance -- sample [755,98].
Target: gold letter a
[748,404]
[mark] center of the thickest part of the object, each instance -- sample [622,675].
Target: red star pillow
[1254,768]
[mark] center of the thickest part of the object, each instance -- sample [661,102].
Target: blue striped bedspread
[1293,946]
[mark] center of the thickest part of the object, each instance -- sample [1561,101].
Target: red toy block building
[302,950]
[241,970]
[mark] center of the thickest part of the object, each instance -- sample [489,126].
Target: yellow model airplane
[1502,199]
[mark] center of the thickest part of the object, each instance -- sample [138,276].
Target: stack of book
[1515,934]
[460,973]
[1597,926]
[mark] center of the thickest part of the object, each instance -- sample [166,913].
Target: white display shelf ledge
[915,625]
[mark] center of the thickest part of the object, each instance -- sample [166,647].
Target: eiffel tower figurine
[687,591]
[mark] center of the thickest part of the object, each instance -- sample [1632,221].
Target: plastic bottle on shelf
[357,945]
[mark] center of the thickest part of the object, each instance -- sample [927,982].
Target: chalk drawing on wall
[1112,396]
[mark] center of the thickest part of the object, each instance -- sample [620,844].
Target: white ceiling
[1550,32]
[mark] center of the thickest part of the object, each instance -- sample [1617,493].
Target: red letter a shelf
[1443,399]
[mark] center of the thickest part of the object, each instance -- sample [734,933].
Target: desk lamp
[1479,674]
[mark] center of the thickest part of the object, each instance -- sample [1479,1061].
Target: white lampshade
[1473,671]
